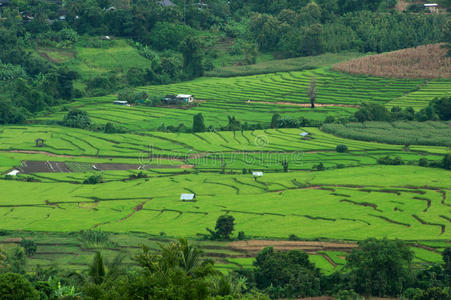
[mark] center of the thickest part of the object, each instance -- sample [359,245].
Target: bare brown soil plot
[255,246]
[44,167]
[429,61]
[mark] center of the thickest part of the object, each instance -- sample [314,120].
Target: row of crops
[268,94]
[142,118]
[333,87]
[421,97]
[401,133]
[360,202]
[184,145]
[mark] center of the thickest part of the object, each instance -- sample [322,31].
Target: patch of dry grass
[429,61]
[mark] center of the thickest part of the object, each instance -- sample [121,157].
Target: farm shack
[257,174]
[119,102]
[13,173]
[39,142]
[304,134]
[185,98]
[177,99]
[187,197]
[432,7]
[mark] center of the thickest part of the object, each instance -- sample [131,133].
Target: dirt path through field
[304,104]
[255,246]
[41,152]
[83,156]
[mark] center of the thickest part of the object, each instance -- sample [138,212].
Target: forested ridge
[313,168]
[177,40]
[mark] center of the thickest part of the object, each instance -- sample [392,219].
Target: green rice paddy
[398,202]
[352,199]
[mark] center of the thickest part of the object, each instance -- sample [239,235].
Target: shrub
[341,148]
[16,286]
[372,112]
[77,119]
[224,228]
[29,247]
[94,179]
[109,128]
[387,160]
[423,162]
[95,238]
[293,237]
[329,119]
[275,120]
[319,167]
[447,161]
[241,235]
[198,123]
[285,165]
[137,176]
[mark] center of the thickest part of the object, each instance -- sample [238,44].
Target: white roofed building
[185,98]
[187,197]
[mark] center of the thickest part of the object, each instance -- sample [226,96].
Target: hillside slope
[429,61]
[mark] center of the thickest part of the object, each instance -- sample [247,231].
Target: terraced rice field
[333,87]
[397,202]
[354,198]
[420,98]
[260,149]
[142,118]
[254,99]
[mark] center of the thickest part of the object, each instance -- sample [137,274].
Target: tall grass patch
[398,133]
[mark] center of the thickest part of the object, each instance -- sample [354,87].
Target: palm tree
[2,259]
[189,256]
[97,269]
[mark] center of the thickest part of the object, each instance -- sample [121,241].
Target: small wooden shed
[39,142]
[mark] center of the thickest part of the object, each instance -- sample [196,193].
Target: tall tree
[198,123]
[225,226]
[287,274]
[192,56]
[313,40]
[380,267]
[15,286]
[312,92]
[189,256]
[17,261]
[97,269]
[2,260]
[275,120]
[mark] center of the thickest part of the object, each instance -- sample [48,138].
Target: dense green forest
[178,271]
[176,40]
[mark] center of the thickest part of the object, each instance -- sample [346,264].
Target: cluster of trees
[444,163]
[178,270]
[318,28]
[30,83]
[380,268]
[438,109]
[178,39]
[80,119]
